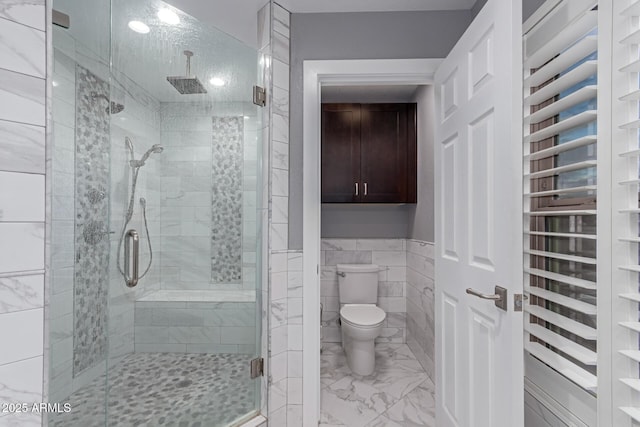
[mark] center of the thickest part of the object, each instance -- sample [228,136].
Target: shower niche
[176,161]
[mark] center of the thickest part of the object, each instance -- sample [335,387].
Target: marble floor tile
[399,393]
[353,402]
[417,408]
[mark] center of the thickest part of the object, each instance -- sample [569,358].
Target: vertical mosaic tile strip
[91,220]
[226,215]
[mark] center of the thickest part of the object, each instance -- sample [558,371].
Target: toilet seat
[362,315]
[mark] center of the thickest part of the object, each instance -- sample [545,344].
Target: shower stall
[156,185]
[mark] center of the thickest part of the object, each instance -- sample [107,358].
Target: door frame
[318,73]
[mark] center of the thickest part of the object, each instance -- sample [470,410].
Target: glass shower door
[159,243]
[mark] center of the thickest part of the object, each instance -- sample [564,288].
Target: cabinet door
[387,143]
[341,153]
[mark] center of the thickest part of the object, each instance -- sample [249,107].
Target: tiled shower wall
[421,303]
[391,256]
[22,204]
[189,237]
[282,299]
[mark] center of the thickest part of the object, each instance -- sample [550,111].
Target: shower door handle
[131,241]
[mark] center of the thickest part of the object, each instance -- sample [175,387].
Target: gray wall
[528,7]
[368,35]
[364,221]
[421,216]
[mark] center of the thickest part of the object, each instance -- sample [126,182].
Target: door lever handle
[499,298]
[473,292]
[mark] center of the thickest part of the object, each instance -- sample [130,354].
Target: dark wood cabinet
[368,153]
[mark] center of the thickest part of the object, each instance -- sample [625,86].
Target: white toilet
[360,317]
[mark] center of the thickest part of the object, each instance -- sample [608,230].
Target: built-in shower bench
[198,321]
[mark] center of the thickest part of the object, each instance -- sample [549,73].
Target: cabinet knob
[356,188]
[365,188]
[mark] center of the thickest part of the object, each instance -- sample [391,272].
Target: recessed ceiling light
[168,16]
[217,81]
[54,83]
[139,27]
[246,117]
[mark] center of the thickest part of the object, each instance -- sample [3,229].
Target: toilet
[361,319]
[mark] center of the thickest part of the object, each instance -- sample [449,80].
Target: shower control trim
[131,265]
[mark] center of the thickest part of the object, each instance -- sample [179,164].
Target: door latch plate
[518,301]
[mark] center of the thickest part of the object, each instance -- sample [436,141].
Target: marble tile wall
[22,205]
[282,294]
[421,303]
[285,375]
[195,327]
[391,256]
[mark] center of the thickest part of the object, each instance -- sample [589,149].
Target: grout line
[10,275]
[15,21]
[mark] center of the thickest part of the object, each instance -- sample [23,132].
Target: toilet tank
[358,283]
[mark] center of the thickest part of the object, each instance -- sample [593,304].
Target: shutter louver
[560,165]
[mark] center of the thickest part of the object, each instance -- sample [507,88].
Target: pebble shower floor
[166,389]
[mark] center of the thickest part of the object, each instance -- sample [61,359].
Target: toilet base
[361,356]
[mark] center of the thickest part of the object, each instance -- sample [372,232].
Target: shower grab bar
[131,237]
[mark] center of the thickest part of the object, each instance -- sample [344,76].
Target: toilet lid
[362,314]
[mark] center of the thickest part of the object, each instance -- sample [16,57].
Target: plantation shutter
[560,186]
[625,209]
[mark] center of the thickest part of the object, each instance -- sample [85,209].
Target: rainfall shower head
[187,85]
[113,107]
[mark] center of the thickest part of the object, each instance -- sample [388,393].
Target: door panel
[340,140]
[479,367]
[450,362]
[481,215]
[384,152]
[449,195]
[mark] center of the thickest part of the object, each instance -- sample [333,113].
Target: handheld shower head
[155,148]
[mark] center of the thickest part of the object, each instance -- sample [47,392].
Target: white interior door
[479,350]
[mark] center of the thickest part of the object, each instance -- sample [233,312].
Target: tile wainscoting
[421,303]
[390,255]
[405,292]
